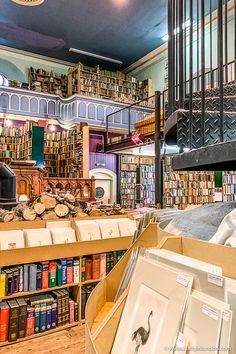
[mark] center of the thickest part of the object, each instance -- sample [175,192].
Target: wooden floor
[65,342]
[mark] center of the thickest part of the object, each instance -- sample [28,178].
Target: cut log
[48,215]
[69,198]
[48,201]
[80,214]
[39,208]
[29,214]
[6,215]
[61,210]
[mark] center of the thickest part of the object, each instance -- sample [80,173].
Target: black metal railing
[199,57]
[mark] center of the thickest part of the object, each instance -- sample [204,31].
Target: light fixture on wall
[176,31]
[95,56]
[28,2]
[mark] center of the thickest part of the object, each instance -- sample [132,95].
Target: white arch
[112,175]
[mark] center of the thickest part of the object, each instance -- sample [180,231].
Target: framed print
[153,311]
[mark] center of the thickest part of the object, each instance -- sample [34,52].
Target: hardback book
[65,306]
[4,321]
[3,278]
[64,271]
[22,317]
[26,277]
[38,279]
[69,274]
[15,280]
[76,270]
[13,320]
[44,266]
[30,322]
[103,265]
[83,271]
[32,277]
[52,274]
[21,278]
[9,281]
[83,302]
[88,269]
[37,310]
[72,311]
[96,259]
[40,299]
[48,316]
[76,315]
[58,297]
[54,314]
[43,317]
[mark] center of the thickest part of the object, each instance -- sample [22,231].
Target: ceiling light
[95,56]
[28,2]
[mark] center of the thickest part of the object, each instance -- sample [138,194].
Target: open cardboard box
[103,316]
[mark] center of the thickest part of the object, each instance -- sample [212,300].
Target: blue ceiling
[125,30]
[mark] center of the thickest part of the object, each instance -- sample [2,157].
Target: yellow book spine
[2,284]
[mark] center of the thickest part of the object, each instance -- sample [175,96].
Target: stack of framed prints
[153,311]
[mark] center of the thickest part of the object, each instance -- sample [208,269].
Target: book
[13,320]
[37,310]
[52,274]
[22,317]
[43,317]
[30,322]
[15,280]
[3,278]
[88,269]
[83,271]
[38,279]
[76,270]
[58,297]
[76,315]
[54,314]
[4,321]
[21,280]
[65,306]
[83,302]
[102,265]
[43,266]
[9,281]
[96,260]
[72,311]
[32,277]
[64,271]
[48,316]
[69,273]
[26,277]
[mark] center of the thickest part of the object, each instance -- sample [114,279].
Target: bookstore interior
[117,162]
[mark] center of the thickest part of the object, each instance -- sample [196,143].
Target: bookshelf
[41,80]
[134,170]
[76,290]
[187,188]
[229,186]
[116,86]
[10,139]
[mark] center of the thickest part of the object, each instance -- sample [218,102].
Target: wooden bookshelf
[41,80]
[130,167]
[78,250]
[116,86]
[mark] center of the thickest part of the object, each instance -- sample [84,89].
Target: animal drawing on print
[141,335]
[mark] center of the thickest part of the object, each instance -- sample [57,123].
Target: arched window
[3,81]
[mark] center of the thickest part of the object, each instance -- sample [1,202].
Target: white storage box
[11,239]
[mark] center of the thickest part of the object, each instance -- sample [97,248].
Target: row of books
[229,189]
[85,293]
[25,317]
[37,276]
[188,192]
[98,266]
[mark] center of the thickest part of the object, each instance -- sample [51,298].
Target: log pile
[49,206]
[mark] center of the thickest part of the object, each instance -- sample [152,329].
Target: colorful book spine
[21,278]
[83,270]
[9,282]
[54,314]
[3,278]
[26,277]
[32,277]
[43,317]
[37,310]
[96,259]
[88,269]
[76,315]
[30,322]
[76,270]
[44,268]
[4,321]
[102,265]
[38,279]
[15,280]
[48,317]
[69,273]
[64,271]
[13,320]
[72,311]
[52,274]
[22,317]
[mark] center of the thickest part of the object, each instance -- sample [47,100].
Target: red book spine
[69,275]
[96,267]
[88,269]
[30,323]
[45,279]
[4,324]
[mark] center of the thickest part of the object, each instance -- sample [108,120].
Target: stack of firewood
[50,206]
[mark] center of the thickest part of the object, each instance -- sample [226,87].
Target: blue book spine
[37,310]
[43,317]
[64,271]
[26,277]
[38,279]
[49,317]
[54,314]
[32,277]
